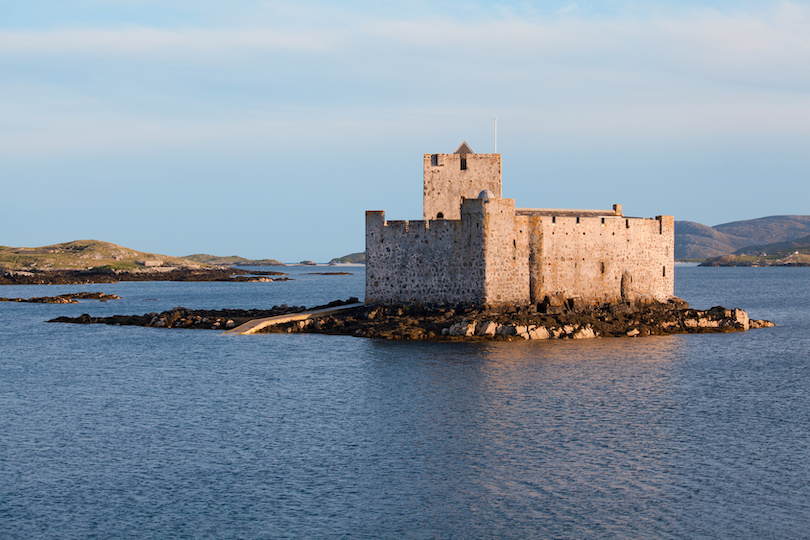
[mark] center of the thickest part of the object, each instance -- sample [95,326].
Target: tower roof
[487,195]
[464,149]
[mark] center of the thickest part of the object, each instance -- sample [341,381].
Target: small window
[577,221]
[463,164]
[665,271]
[434,160]
[626,223]
[440,215]
[603,221]
[554,219]
[602,267]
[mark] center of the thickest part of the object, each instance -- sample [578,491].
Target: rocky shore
[108,275]
[564,320]
[69,298]
[550,320]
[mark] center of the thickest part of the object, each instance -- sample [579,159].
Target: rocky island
[476,266]
[553,319]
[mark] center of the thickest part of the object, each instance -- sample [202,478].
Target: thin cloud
[702,40]
[129,42]
[699,73]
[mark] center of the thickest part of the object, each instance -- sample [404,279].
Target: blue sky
[267,128]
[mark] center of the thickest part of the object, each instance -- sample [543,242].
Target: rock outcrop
[69,298]
[552,319]
[205,319]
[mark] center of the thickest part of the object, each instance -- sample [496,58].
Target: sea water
[127,432]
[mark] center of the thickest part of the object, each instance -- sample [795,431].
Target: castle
[473,247]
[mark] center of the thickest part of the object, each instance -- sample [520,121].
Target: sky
[265,129]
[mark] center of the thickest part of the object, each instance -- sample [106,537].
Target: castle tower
[450,178]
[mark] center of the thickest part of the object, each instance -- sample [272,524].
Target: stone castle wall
[602,259]
[446,183]
[429,262]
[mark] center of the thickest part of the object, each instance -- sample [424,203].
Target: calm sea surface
[123,432]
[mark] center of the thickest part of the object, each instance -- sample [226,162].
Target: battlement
[564,218]
[375,220]
[407,261]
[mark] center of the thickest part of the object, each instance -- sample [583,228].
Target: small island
[68,298]
[93,261]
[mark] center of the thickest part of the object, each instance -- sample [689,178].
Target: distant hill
[791,253]
[83,254]
[768,230]
[778,249]
[352,258]
[694,241]
[232,260]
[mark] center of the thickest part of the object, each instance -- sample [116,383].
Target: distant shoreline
[105,275]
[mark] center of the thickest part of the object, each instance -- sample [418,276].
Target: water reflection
[530,425]
[110,430]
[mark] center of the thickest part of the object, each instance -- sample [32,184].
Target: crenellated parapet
[429,262]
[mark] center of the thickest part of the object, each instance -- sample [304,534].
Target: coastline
[108,275]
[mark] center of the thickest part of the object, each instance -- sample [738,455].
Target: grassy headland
[93,261]
[86,255]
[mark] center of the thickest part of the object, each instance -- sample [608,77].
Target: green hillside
[352,258]
[790,253]
[83,254]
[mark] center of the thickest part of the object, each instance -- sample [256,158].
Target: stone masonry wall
[506,240]
[491,256]
[602,259]
[446,183]
[433,262]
